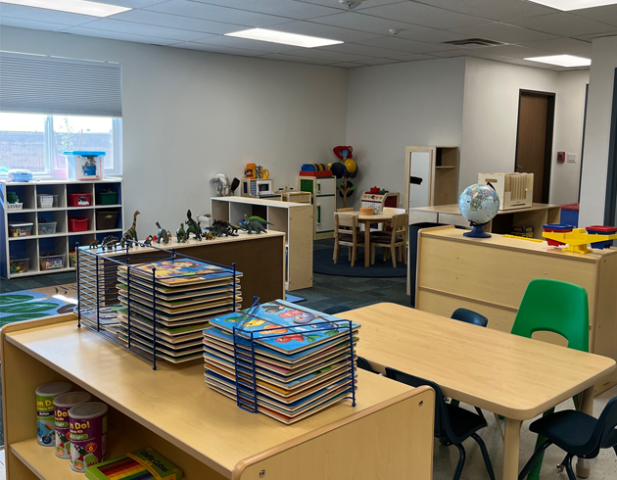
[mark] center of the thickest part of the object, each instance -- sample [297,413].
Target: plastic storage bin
[107,198]
[19,265]
[14,206]
[80,199]
[20,229]
[106,219]
[47,201]
[47,228]
[78,224]
[51,262]
[85,165]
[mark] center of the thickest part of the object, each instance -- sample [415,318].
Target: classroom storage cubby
[47,203]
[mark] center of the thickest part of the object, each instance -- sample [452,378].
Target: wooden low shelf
[202,432]
[490,276]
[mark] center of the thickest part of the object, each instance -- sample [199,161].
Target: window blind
[39,84]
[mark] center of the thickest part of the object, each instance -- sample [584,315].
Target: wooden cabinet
[431,176]
[323,198]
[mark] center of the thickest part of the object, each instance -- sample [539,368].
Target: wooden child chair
[346,234]
[393,240]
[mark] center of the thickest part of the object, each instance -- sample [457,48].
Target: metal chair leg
[487,459]
[532,461]
[568,463]
[461,462]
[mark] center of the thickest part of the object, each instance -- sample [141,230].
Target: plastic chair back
[364,365]
[606,429]
[554,306]
[336,309]
[443,430]
[469,316]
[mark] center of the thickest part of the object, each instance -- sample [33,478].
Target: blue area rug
[293,299]
[322,263]
[29,305]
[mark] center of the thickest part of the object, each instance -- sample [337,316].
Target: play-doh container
[63,403]
[45,423]
[88,434]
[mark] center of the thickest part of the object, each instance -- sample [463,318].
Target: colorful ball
[350,165]
[338,170]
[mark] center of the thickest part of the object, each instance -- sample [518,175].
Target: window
[38,142]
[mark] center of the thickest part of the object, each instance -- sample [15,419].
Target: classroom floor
[356,292]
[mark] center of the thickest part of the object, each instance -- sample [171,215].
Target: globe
[479,204]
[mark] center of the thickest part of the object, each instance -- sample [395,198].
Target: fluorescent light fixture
[285,38]
[569,5]
[562,60]
[82,7]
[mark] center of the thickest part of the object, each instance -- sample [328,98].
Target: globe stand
[477,231]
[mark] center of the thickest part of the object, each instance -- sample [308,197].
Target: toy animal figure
[192,226]
[131,233]
[148,241]
[94,243]
[162,235]
[109,242]
[181,235]
[208,236]
[254,224]
[221,227]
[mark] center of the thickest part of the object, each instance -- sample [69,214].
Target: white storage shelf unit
[39,244]
[294,219]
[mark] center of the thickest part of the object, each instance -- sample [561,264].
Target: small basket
[51,262]
[107,198]
[78,224]
[47,228]
[106,219]
[20,229]
[19,265]
[80,199]
[47,201]
[14,206]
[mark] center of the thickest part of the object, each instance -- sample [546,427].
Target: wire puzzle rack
[98,296]
[245,370]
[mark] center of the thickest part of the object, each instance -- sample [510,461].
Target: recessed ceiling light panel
[81,7]
[562,60]
[569,5]
[285,38]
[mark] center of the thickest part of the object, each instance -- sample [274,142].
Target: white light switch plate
[571,157]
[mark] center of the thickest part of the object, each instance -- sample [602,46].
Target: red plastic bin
[80,199]
[78,224]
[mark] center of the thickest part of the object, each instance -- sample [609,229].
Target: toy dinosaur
[162,235]
[148,241]
[181,235]
[94,243]
[192,226]
[208,236]
[109,242]
[254,224]
[131,233]
[221,227]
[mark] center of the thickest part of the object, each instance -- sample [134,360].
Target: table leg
[367,244]
[511,447]
[582,469]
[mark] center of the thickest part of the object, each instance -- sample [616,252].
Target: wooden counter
[389,434]
[260,257]
[490,276]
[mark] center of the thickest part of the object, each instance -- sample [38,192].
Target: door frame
[610,205]
[550,124]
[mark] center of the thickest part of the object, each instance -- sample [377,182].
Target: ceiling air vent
[475,43]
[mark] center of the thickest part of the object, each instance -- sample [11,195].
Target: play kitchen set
[377,198]
[43,221]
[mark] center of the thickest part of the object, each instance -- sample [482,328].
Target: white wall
[188,115]
[569,119]
[597,133]
[394,106]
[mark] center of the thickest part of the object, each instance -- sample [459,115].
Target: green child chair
[557,307]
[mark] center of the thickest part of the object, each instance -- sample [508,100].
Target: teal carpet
[29,305]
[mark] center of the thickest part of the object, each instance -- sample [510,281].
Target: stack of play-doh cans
[78,428]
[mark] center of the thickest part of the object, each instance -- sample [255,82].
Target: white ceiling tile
[357,21]
[430,35]
[91,32]
[404,45]
[451,53]
[364,50]
[589,38]
[18,22]
[502,32]
[425,15]
[247,44]
[516,51]
[561,45]
[173,21]
[134,3]
[336,4]
[291,58]
[324,31]
[413,57]
[281,8]
[493,9]
[380,61]
[214,13]
[42,15]
[149,30]
[606,14]
[347,65]
[564,24]
[332,57]
[202,47]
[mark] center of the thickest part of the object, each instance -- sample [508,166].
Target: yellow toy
[579,238]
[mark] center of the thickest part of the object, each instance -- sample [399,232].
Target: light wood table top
[174,402]
[516,377]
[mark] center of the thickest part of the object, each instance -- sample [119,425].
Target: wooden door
[535,139]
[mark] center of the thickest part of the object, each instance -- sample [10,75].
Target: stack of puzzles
[182,298]
[295,361]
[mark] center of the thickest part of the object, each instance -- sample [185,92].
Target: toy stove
[377,198]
